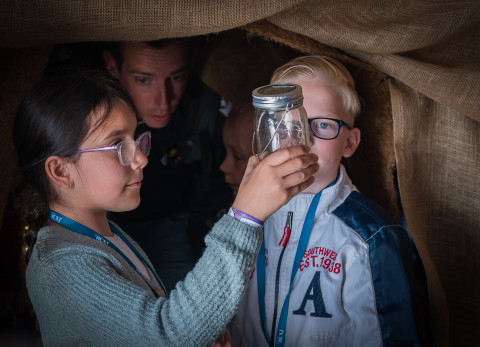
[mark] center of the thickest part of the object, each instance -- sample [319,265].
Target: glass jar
[280,119]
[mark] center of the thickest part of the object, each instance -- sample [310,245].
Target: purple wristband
[242,216]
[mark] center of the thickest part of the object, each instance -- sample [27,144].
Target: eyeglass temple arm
[97,149]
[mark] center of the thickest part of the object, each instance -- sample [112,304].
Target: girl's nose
[139,160]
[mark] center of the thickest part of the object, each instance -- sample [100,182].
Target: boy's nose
[226,166]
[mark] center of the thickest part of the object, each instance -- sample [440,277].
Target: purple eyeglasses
[126,148]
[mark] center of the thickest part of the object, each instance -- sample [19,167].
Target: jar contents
[280,119]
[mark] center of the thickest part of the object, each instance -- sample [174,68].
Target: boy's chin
[317,186]
[314,188]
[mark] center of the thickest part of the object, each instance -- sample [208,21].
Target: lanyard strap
[301,247]
[74,226]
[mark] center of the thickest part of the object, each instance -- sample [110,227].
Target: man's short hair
[116,47]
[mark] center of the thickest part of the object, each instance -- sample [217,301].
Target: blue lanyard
[83,230]
[301,247]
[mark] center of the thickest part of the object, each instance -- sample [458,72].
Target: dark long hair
[54,118]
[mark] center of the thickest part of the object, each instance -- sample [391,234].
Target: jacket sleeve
[378,290]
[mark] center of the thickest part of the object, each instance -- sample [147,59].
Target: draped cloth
[419,59]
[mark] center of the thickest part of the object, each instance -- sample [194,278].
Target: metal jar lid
[276,97]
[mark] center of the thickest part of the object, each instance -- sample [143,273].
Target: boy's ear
[353,140]
[110,64]
[58,170]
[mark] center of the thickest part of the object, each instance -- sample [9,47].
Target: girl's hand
[271,183]
[224,340]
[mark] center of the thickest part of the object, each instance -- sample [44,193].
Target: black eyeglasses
[326,128]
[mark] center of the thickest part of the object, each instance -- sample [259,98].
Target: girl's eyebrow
[117,132]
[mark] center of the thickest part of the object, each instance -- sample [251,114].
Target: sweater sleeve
[81,298]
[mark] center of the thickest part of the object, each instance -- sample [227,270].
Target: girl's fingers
[297,164]
[283,155]
[269,184]
[300,176]
[252,164]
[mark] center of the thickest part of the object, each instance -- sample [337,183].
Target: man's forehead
[170,59]
[179,49]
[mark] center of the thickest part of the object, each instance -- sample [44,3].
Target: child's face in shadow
[237,137]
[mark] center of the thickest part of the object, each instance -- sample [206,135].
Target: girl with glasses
[334,268]
[88,281]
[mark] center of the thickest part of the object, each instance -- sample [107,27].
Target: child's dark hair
[54,118]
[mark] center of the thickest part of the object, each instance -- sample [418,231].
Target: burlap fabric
[428,115]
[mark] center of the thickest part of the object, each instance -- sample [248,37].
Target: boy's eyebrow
[325,115]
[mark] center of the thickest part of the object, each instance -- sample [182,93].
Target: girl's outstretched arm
[85,293]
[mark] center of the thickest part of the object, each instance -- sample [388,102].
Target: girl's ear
[353,140]
[110,64]
[58,170]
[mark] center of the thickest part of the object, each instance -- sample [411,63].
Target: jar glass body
[275,129]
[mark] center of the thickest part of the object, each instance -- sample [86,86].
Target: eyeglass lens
[324,128]
[144,143]
[127,148]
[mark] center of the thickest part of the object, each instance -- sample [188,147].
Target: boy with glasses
[334,268]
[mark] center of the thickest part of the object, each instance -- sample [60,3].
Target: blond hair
[325,70]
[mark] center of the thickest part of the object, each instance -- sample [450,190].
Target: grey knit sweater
[84,293]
